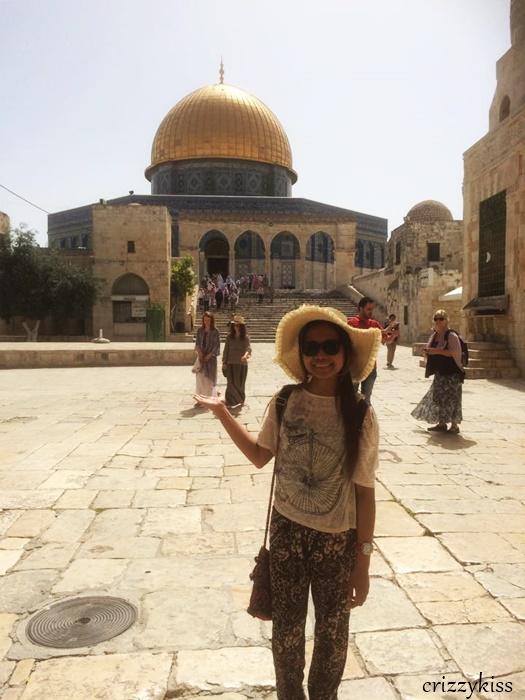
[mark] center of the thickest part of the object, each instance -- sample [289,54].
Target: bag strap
[280,405]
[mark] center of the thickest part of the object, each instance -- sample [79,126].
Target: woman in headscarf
[237,352]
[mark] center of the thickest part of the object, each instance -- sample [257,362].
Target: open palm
[211,402]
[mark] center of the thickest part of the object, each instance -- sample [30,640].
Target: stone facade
[423,262]
[130,240]
[494,186]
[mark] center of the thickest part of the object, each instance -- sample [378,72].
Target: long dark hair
[346,396]
[242,333]
[211,316]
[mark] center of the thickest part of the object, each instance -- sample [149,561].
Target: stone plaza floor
[110,482]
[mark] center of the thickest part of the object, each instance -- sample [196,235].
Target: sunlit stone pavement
[111,483]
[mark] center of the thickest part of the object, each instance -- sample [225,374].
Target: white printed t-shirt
[311,486]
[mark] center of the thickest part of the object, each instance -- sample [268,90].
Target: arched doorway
[130,298]
[249,254]
[320,262]
[214,254]
[284,253]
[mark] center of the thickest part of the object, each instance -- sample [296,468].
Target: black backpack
[464,346]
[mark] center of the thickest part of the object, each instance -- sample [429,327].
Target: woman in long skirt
[442,403]
[207,347]
[237,352]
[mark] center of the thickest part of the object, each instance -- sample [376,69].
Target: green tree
[182,284]
[36,282]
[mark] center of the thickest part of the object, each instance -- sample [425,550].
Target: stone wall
[495,164]
[149,228]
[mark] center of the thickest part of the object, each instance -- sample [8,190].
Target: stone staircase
[262,319]
[486,360]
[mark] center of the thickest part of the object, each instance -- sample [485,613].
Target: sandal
[454,429]
[438,428]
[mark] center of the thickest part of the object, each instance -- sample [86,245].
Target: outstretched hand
[213,403]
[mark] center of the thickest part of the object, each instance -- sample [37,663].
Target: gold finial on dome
[221,73]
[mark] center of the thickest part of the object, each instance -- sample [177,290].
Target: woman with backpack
[325,442]
[442,403]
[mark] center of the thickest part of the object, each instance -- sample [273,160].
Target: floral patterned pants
[299,558]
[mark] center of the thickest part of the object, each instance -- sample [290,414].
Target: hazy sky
[379,98]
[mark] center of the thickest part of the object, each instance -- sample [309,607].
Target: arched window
[285,246]
[371,255]
[249,245]
[320,248]
[504,108]
[130,285]
[382,254]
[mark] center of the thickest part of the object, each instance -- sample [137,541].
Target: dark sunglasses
[311,348]
[439,318]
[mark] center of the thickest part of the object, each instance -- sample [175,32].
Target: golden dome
[221,121]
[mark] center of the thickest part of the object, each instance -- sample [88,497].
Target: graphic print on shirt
[308,469]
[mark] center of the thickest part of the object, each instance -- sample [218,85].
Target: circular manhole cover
[81,622]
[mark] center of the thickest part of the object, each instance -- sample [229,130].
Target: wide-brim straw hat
[238,319]
[365,342]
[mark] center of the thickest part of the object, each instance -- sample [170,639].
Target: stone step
[492,372]
[488,372]
[489,354]
[490,362]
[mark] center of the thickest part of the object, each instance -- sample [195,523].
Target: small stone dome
[429,211]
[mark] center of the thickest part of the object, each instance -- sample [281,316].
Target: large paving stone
[473,547]
[107,547]
[369,688]
[160,522]
[31,523]
[406,554]
[431,686]
[512,686]
[385,595]
[7,621]
[393,652]
[90,573]
[237,517]
[446,586]
[118,522]
[501,580]
[480,523]
[27,500]
[164,498]
[516,606]
[459,506]
[69,526]
[496,648]
[25,590]
[8,558]
[227,668]
[185,618]
[392,520]
[55,555]
[478,610]
[111,677]
[200,544]
[179,571]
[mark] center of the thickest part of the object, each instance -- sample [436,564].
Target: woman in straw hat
[326,444]
[235,356]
